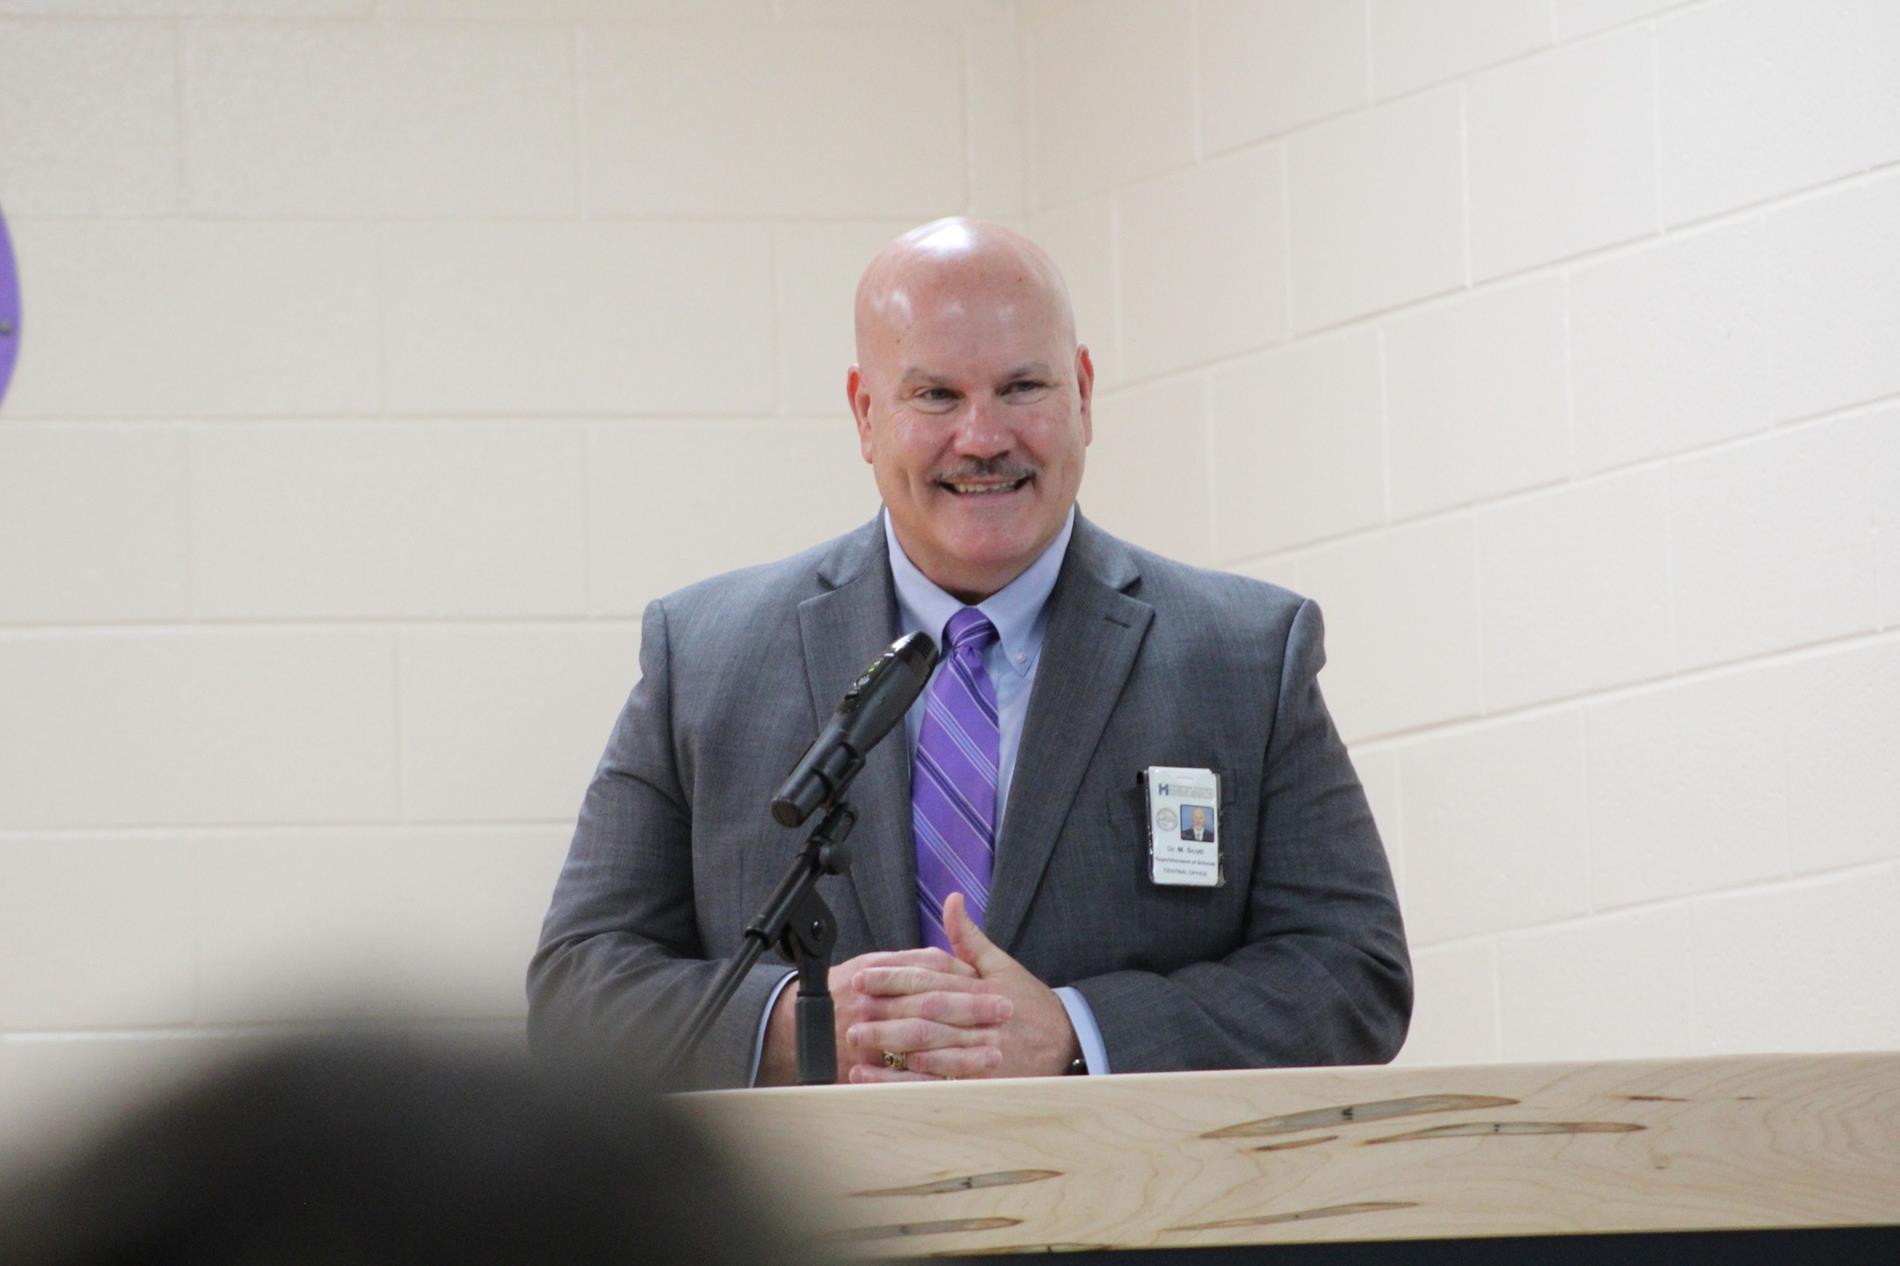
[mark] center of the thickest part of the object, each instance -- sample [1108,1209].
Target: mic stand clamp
[796,920]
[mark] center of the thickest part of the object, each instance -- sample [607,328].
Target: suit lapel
[843,629]
[1095,630]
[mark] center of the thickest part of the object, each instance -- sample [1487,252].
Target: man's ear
[1085,390]
[858,395]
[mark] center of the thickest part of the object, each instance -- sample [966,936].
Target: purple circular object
[9,310]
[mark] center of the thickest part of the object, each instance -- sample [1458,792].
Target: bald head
[949,266]
[972,400]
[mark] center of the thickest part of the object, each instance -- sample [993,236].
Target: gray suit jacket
[1299,958]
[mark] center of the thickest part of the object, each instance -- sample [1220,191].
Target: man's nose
[982,430]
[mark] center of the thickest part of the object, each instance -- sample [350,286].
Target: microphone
[876,701]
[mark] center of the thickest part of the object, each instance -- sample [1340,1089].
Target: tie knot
[969,629]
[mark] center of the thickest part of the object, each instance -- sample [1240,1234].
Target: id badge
[1183,826]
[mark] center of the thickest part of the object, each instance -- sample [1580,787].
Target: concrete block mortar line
[628,622]
[1570,264]
[1678,6]
[1546,268]
[1025,138]
[1783,200]
[1685,901]
[774,344]
[1570,384]
[1211,465]
[966,92]
[444,1025]
[252,423]
[1497,997]
[1280,136]
[1697,1033]
[517,417]
[1882,599]
[1385,429]
[112,1033]
[1803,881]
[1589,835]
[1286,246]
[1464,940]
[1463,76]
[578,75]
[286,829]
[1544,488]
[400,651]
[199,950]
[1656,123]
[1037,202]
[1594,918]
[379,278]
[1188,378]
[1399,740]
[181,197]
[1033,199]
[1530,54]
[1372,83]
[1672,609]
[1196,141]
[539,219]
[1113,192]
[1117,326]
[1477,592]
[194,481]
[587,522]
[1464,181]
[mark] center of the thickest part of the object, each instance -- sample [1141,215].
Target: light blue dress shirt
[1020,612]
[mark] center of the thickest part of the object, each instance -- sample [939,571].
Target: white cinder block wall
[1555,348]
[383,357]
[381,360]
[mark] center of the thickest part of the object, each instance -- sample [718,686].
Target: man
[1004,914]
[1197,828]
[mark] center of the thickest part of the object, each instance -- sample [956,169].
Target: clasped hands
[974,1012]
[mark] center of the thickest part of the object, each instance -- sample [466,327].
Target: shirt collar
[1018,609]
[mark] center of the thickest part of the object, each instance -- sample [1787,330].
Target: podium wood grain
[1195,1159]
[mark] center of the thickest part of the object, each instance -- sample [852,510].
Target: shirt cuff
[758,1043]
[1087,1032]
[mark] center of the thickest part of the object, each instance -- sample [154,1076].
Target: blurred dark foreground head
[368,1151]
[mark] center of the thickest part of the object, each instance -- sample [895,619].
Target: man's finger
[866,1074]
[891,982]
[957,1061]
[930,959]
[963,1008]
[913,1035]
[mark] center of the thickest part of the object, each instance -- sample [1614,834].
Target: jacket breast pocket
[1170,925]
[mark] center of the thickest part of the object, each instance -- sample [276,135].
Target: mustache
[999,469]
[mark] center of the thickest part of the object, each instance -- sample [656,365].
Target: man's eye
[1022,385]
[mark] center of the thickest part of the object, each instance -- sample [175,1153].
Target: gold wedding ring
[899,1060]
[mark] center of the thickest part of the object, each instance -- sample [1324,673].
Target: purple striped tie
[953,783]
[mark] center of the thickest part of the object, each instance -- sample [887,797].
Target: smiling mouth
[985,488]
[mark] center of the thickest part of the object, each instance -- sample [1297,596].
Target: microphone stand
[797,920]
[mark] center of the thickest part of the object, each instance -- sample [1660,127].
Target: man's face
[972,403]
[1200,819]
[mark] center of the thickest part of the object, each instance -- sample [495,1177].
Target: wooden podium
[1191,1160]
